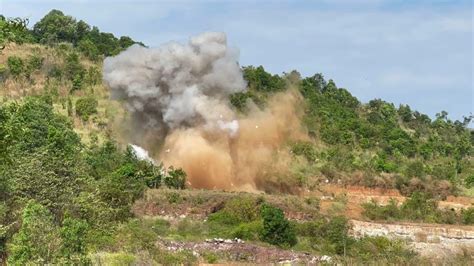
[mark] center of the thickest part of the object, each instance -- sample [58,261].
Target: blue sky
[414,52]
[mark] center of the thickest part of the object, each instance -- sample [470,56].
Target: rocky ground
[237,250]
[436,241]
[429,240]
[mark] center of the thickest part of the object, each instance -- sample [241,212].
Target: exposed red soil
[356,195]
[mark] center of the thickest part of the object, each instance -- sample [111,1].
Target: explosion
[177,96]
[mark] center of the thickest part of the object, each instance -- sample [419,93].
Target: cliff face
[436,241]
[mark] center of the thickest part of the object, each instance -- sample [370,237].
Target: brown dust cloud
[177,96]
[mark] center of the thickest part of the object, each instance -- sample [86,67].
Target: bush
[277,230]
[73,233]
[470,181]
[239,100]
[74,70]
[34,62]
[337,234]
[415,169]
[55,72]
[237,210]
[374,211]
[176,178]
[3,71]
[77,82]
[381,248]
[93,76]
[248,231]
[38,240]
[85,107]
[305,149]
[468,215]
[261,80]
[328,236]
[419,207]
[15,65]
[135,235]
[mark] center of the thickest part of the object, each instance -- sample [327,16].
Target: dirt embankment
[198,204]
[429,240]
[436,241]
[357,195]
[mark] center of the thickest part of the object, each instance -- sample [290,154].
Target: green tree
[55,27]
[88,48]
[38,239]
[337,233]
[86,106]
[73,235]
[13,30]
[277,230]
[74,70]
[176,178]
[16,66]
[468,215]
[44,158]
[405,113]
[261,80]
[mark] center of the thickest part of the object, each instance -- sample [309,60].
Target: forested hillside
[69,182]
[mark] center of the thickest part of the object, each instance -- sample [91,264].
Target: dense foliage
[86,106]
[419,207]
[276,229]
[63,187]
[56,27]
[63,198]
[13,30]
[384,145]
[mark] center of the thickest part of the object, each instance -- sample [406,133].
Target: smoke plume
[177,96]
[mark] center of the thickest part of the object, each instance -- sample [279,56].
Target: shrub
[174,197]
[15,65]
[73,68]
[470,181]
[415,169]
[468,215]
[77,82]
[242,209]
[276,228]
[176,178]
[73,233]
[55,72]
[381,248]
[38,239]
[3,72]
[328,236]
[35,62]
[85,107]
[337,233]
[93,76]
[248,231]
[419,207]
[374,211]
[239,100]
[135,235]
[237,210]
[305,149]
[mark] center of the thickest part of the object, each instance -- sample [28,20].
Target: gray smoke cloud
[178,85]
